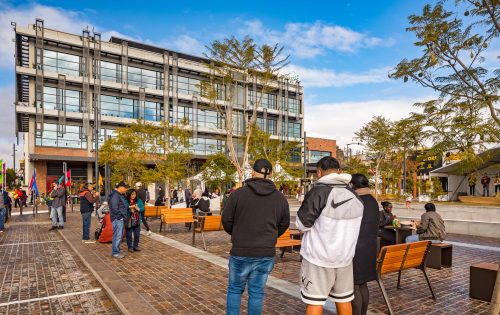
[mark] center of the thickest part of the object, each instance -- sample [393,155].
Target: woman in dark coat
[365,257]
[385,218]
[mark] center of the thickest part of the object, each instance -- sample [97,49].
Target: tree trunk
[167,192]
[495,298]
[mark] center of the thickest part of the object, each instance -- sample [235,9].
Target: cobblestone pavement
[450,284]
[36,264]
[174,282]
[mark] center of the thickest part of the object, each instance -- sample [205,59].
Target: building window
[294,130]
[69,139]
[145,78]
[315,156]
[209,119]
[272,126]
[111,72]
[293,105]
[105,134]
[72,99]
[261,123]
[153,111]
[186,85]
[61,63]
[118,106]
[265,101]
[206,146]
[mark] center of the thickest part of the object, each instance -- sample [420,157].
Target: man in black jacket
[255,216]
[87,199]
[118,209]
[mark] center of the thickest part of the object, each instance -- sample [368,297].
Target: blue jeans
[253,270]
[117,236]
[56,213]
[3,212]
[86,216]
[136,231]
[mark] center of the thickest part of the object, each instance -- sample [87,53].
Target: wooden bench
[151,212]
[396,258]
[176,216]
[206,224]
[440,255]
[286,240]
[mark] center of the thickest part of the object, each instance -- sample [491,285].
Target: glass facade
[111,72]
[294,130]
[187,85]
[206,146]
[145,78]
[265,101]
[293,105]
[72,99]
[61,63]
[69,139]
[315,156]
[105,134]
[129,108]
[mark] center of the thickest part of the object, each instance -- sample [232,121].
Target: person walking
[4,199]
[7,202]
[431,226]
[497,184]
[133,227]
[18,194]
[87,199]
[187,196]
[56,214]
[365,257]
[386,217]
[330,218]
[142,194]
[118,208]
[255,216]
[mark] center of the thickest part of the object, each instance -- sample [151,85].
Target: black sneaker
[137,249]
[131,250]
[53,228]
[61,227]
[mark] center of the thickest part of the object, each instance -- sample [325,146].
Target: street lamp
[348,155]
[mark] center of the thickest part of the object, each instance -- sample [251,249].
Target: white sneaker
[89,242]
[148,233]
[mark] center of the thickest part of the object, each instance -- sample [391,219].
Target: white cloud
[182,43]
[311,77]
[341,120]
[308,40]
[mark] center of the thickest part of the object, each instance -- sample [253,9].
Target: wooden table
[401,232]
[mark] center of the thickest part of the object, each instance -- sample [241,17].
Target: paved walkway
[169,276]
[39,274]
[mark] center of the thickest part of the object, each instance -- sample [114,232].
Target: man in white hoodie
[330,217]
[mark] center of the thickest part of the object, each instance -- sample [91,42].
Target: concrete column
[90,172]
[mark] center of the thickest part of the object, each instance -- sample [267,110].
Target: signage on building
[427,163]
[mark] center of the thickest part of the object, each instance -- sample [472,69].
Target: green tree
[218,170]
[11,177]
[236,66]
[279,153]
[163,145]
[453,55]
[378,138]
[356,166]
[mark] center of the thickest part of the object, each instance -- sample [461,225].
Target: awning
[49,157]
[490,157]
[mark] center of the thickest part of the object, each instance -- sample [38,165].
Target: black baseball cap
[263,164]
[122,184]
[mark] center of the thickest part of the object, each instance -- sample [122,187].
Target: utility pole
[305,155]
[14,157]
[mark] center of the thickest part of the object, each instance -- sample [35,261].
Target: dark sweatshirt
[255,216]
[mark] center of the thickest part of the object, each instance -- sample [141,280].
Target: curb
[110,293]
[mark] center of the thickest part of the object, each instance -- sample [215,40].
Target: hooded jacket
[431,227]
[255,215]
[330,217]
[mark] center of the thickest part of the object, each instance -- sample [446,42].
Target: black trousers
[361,299]
[472,190]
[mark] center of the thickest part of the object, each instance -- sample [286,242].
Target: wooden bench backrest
[151,211]
[212,223]
[179,213]
[402,256]
[162,209]
[285,236]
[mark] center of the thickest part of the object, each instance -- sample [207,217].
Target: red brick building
[319,147]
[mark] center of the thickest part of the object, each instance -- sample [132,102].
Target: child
[409,198]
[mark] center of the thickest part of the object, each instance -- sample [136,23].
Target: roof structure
[491,158]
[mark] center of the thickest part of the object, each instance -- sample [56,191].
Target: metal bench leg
[192,243]
[399,280]
[429,284]
[161,225]
[282,252]
[203,238]
[386,298]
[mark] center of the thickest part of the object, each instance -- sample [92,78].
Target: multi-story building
[319,147]
[68,85]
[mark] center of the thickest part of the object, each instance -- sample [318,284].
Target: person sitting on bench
[431,227]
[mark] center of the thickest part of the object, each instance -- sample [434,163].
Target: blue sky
[342,50]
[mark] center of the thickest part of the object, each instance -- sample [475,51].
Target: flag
[100,181]
[60,180]
[68,178]
[33,185]
[2,175]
